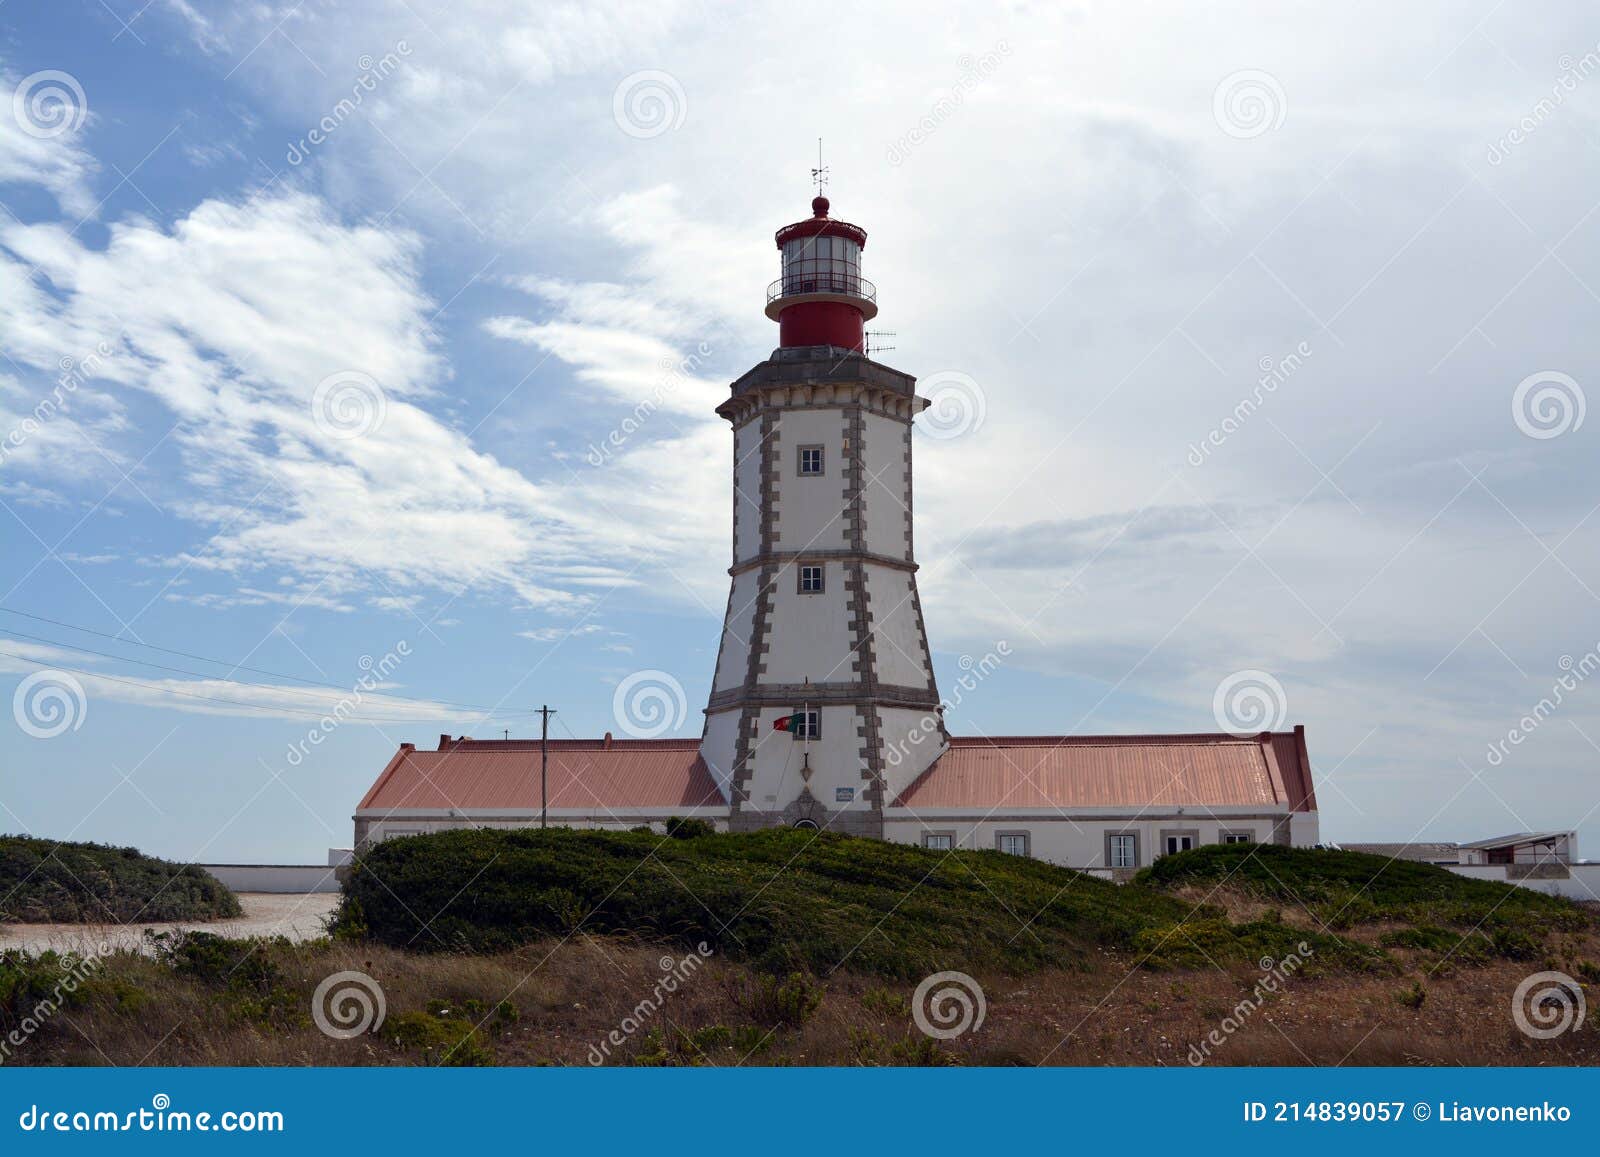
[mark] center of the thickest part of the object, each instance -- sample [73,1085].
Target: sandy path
[297,916]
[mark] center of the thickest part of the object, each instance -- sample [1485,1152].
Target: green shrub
[886,1002]
[448,1041]
[1412,997]
[680,828]
[51,882]
[914,1050]
[33,986]
[782,1003]
[247,970]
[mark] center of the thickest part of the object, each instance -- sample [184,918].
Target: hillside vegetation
[1437,911]
[552,947]
[46,882]
[784,899]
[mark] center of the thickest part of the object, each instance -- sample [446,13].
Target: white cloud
[231,320]
[57,161]
[226,696]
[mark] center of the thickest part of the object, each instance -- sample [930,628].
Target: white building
[824,711]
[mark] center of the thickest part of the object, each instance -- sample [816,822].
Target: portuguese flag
[793,724]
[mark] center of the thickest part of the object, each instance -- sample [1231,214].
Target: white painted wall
[1075,842]
[911,742]
[897,641]
[810,635]
[811,509]
[747,490]
[885,502]
[733,661]
[717,747]
[835,761]
[398,825]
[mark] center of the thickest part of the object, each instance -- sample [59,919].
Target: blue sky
[1261,347]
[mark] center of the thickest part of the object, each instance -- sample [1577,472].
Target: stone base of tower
[808,811]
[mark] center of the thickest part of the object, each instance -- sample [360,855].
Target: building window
[810,460]
[1012,843]
[1122,850]
[1238,837]
[1174,842]
[811,580]
[939,841]
[807,725]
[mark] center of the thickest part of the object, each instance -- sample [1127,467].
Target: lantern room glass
[821,265]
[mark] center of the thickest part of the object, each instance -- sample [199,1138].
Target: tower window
[810,460]
[807,725]
[811,580]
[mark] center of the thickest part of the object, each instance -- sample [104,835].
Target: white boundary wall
[1582,884]
[299,878]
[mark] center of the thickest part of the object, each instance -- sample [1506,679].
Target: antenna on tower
[873,346]
[820,173]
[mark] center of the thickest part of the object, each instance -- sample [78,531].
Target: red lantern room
[822,299]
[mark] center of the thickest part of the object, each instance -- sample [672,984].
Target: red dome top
[819,224]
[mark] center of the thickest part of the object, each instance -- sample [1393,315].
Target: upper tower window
[810,460]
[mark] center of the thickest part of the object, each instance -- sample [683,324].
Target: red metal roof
[584,773]
[1084,771]
[1036,771]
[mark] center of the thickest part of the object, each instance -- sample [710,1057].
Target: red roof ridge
[573,745]
[1176,738]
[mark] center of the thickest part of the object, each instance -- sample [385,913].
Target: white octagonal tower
[823,634]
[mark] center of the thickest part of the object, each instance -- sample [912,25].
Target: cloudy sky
[1260,338]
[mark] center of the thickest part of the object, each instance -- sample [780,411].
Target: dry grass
[570,995]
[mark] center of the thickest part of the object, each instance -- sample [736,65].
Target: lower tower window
[811,580]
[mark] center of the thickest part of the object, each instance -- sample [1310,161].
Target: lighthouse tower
[823,706]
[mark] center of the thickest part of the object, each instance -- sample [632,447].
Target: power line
[211,698]
[204,659]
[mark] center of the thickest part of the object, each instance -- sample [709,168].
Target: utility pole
[544,765]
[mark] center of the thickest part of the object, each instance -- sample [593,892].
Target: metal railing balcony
[833,279]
